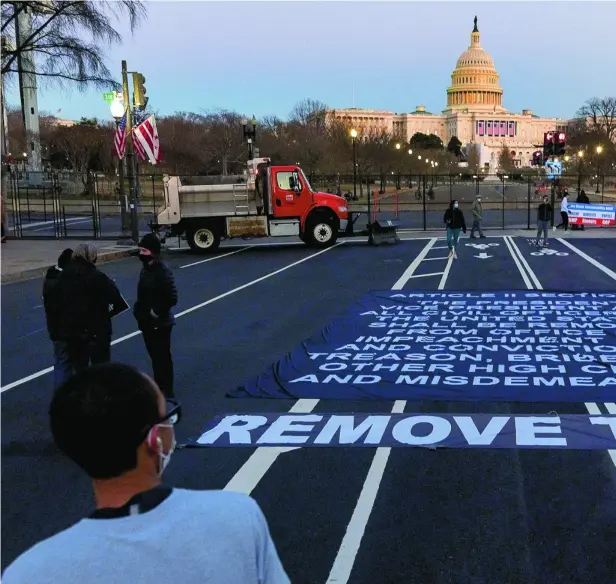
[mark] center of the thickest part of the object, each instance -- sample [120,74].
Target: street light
[250,134]
[599,149]
[353,137]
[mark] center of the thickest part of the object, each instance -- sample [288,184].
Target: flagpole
[130,158]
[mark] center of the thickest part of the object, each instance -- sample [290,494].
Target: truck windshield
[307,181]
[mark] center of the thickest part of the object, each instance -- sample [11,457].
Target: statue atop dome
[475,29]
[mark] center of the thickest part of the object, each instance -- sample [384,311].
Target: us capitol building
[474,113]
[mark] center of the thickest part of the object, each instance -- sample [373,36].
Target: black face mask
[145,259]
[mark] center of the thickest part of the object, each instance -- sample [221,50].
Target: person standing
[86,300]
[544,216]
[454,220]
[477,218]
[62,367]
[114,423]
[156,296]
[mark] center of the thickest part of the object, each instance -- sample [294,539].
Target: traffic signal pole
[130,158]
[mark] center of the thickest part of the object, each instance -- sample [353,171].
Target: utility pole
[130,158]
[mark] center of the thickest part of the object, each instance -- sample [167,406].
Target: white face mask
[455,205]
[165,458]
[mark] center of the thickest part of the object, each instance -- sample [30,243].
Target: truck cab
[267,201]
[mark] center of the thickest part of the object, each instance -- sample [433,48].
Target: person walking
[62,367]
[454,220]
[113,422]
[86,300]
[156,296]
[544,216]
[477,210]
[564,213]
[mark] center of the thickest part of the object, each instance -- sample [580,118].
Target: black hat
[151,242]
[65,257]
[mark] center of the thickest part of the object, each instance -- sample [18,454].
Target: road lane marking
[518,265]
[180,314]
[426,275]
[224,255]
[260,461]
[592,408]
[40,223]
[345,559]
[589,259]
[414,264]
[532,275]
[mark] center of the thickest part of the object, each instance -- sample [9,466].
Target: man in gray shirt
[114,422]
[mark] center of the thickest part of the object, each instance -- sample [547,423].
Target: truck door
[287,201]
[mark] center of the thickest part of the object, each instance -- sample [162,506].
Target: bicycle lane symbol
[548,252]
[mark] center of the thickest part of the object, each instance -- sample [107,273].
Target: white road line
[187,311]
[40,223]
[224,255]
[72,222]
[589,259]
[525,263]
[518,265]
[435,259]
[345,559]
[592,408]
[440,247]
[254,469]
[415,263]
[443,281]
[260,461]
[426,275]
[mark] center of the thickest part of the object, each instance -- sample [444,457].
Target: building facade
[474,114]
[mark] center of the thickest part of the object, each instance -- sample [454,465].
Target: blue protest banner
[411,430]
[511,346]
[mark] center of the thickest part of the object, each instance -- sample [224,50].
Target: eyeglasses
[174,413]
[173,416]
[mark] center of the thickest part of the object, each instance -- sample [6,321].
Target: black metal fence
[419,202]
[65,205]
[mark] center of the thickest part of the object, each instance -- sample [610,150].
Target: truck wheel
[203,239]
[321,233]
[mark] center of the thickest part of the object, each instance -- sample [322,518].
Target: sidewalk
[25,259]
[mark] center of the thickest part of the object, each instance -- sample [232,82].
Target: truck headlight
[342,209]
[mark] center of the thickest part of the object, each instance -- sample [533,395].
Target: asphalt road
[441,516]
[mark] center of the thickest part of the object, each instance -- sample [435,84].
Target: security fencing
[93,206]
[419,202]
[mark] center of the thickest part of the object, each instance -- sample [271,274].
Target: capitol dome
[474,82]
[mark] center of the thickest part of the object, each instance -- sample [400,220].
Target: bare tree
[224,137]
[67,38]
[599,115]
[473,158]
[505,163]
[185,139]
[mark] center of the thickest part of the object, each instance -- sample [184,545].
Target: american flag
[145,138]
[119,139]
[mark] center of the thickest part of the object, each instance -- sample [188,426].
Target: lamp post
[410,171]
[353,137]
[580,160]
[250,134]
[503,207]
[117,111]
[398,146]
[599,149]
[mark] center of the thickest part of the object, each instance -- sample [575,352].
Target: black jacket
[454,218]
[85,300]
[156,295]
[52,277]
[544,212]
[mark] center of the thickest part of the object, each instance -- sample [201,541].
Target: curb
[40,272]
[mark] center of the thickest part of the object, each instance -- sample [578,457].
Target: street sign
[112,96]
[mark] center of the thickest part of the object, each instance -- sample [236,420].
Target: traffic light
[548,144]
[140,99]
[537,158]
[560,143]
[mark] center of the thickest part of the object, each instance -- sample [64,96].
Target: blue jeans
[62,367]
[452,238]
